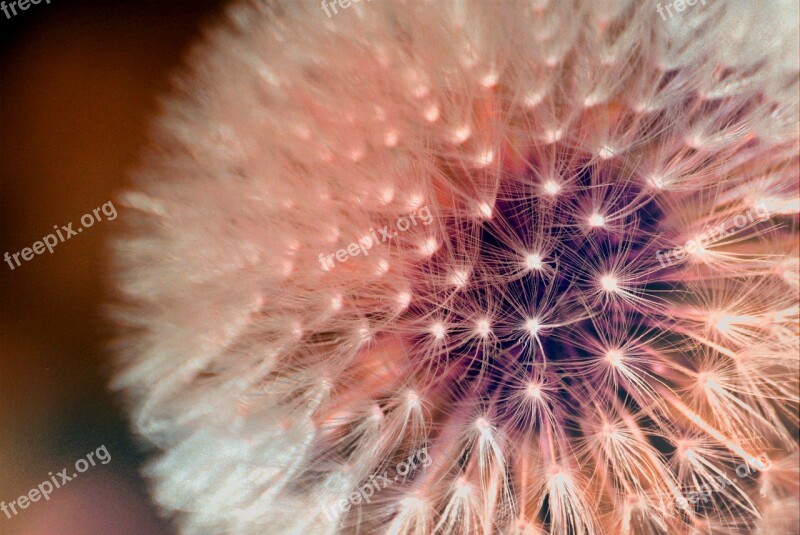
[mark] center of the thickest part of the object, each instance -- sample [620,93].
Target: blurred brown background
[79,82]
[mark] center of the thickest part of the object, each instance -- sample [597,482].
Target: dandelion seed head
[457,228]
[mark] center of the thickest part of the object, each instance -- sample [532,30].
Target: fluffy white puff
[275,377]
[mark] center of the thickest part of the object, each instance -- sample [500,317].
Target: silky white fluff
[270,387]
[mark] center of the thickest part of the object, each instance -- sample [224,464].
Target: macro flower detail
[528,165]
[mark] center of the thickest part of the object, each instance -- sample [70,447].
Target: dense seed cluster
[551,244]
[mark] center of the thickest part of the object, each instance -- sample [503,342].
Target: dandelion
[562,379]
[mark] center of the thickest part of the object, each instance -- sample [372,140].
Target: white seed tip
[596,220]
[609,283]
[533,261]
[438,331]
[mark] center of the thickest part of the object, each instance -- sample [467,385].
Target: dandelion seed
[429,246]
[534,391]
[551,187]
[415,202]
[390,138]
[432,113]
[461,134]
[532,325]
[403,299]
[490,79]
[609,283]
[387,195]
[606,152]
[553,135]
[657,182]
[597,220]
[533,99]
[483,328]
[438,331]
[614,357]
[485,157]
[383,266]
[459,278]
[534,261]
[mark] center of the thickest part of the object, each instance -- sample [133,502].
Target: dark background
[79,82]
